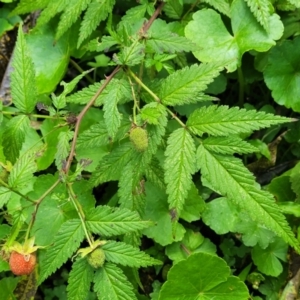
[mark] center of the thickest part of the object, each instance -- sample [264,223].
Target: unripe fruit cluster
[139,138]
[97,258]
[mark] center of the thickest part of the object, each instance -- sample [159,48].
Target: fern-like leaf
[185,86]
[168,42]
[23,86]
[111,281]
[71,13]
[179,167]
[86,94]
[95,136]
[111,165]
[65,244]
[14,136]
[54,7]
[296,3]
[222,6]
[80,279]
[97,11]
[224,121]
[108,221]
[228,145]
[127,255]
[28,6]
[5,195]
[131,55]
[21,176]
[229,177]
[261,11]
[63,147]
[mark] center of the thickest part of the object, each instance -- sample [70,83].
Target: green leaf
[80,279]
[7,287]
[53,7]
[86,94]
[111,166]
[157,210]
[50,60]
[72,11]
[14,136]
[211,281]
[267,260]
[208,32]
[295,3]
[224,121]
[21,176]
[168,42]
[23,86]
[228,145]
[28,6]
[96,12]
[108,221]
[130,56]
[179,167]
[239,186]
[281,73]
[5,195]
[261,11]
[110,280]
[173,9]
[65,243]
[127,255]
[151,112]
[185,86]
[63,147]
[222,6]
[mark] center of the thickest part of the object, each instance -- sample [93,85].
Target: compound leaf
[224,121]
[238,185]
[127,255]
[179,167]
[64,245]
[110,280]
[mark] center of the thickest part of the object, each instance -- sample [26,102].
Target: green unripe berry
[97,258]
[139,138]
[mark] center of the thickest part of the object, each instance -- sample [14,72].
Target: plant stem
[80,213]
[79,69]
[135,101]
[37,204]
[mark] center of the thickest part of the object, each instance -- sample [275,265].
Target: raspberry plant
[151,159]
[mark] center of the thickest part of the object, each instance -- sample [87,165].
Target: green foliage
[170,155]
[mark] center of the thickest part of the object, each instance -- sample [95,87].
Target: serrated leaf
[5,195]
[63,147]
[229,177]
[28,6]
[86,94]
[111,166]
[80,279]
[173,9]
[110,280]
[220,5]
[21,175]
[130,56]
[108,221]
[228,145]
[223,121]
[127,255]
[185,86]
[151,112]
[179,166]
[112,116]
[95,136]
[295,2]
[14,136]
[261,11]
[106,43]
[71,13]
[64,245]
[168,42]
[53,7]
[23,86]
[96,12]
